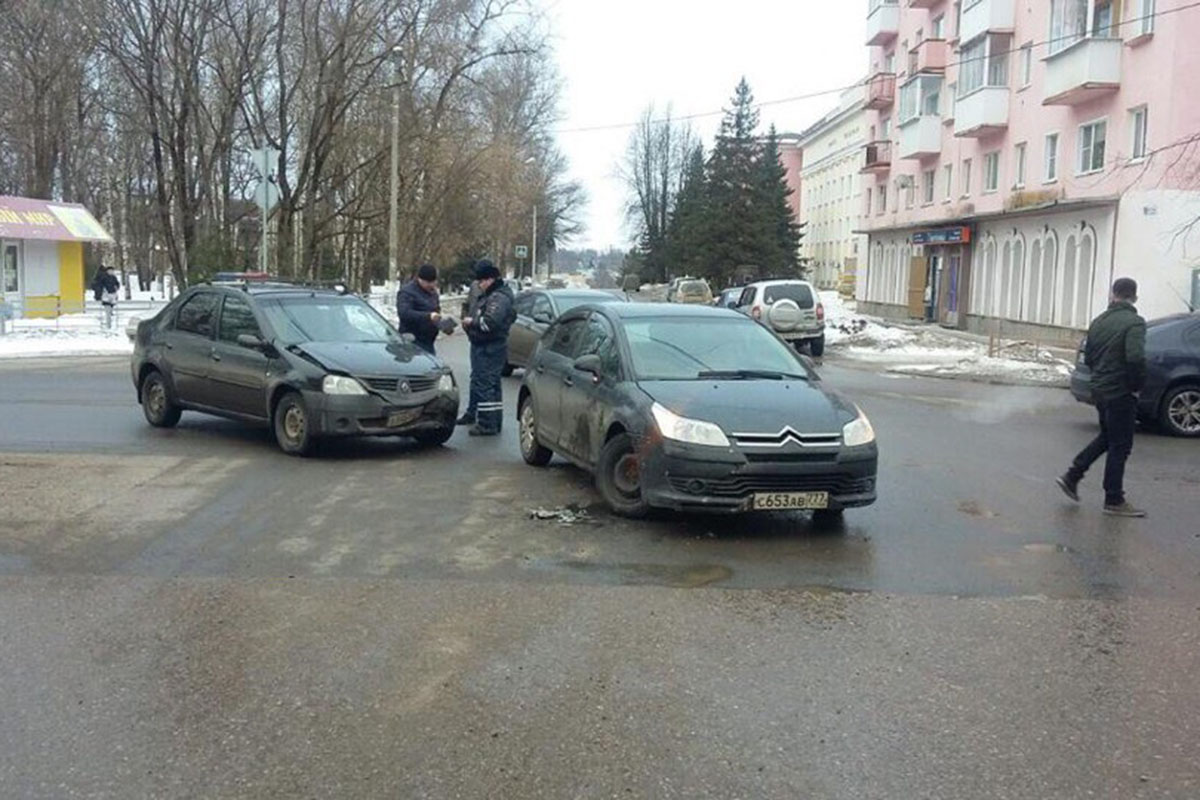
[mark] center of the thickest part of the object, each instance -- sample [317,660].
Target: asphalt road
[191,613]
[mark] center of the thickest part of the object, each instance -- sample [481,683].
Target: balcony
[984,16]
[883,22]
[878,157]
[881,91]
[930,55]
[1082,72]
[982,112]
[921,137]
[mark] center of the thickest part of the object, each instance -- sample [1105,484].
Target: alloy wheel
[1184,411]
[528,428]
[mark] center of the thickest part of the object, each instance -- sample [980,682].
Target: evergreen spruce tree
[688,231]
[776,231]
[732,182]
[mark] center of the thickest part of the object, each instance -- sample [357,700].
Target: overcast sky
[617,56]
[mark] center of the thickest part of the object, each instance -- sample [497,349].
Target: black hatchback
[310,363]
[692,408]
[1171,395]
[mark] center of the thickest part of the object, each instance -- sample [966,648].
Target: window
[1068,23]
[929,177]
[966,177]
[882,198]
[10,267]
[991,172]
[938,29]
[1091,147]
[1026,65]
[885,129]
[1019,162]
[889,62]
[1102,17]
[1015,295]
[524,305]
[1145,12]
[984,62]
[542,310]
[1051,157]
[910,192]
[565,339]
[868,211]
[597,339]
[198,314]
[1138,123]
[236,319]
[948,171]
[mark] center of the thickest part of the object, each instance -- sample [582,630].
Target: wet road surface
[192,613]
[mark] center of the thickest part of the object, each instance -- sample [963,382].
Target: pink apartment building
[1024,153]
[791,156]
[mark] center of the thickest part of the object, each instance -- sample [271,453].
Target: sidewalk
[932,351]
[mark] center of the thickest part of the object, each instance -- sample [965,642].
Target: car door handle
[169,346]
[568,380]
[216,356]
[540,368]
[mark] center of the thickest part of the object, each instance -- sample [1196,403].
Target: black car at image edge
[310,363]
[692,408]
[1170,396]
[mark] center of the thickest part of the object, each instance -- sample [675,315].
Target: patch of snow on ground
[70,341]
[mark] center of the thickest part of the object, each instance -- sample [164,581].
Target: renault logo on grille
[404,387]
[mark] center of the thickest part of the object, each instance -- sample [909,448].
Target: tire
[1180,411]
[816,347]
[434,438]
[532,451]
[156,401]
[508,370]
[618,478]
[291,422]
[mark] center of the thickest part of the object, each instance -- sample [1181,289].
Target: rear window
[799,293]
[693,287]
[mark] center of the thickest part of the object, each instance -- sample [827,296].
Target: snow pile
[863,336]
[35,342]
[991,369]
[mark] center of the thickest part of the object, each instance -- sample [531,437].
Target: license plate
[780,501]
[398,418]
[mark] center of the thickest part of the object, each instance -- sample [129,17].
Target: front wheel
[156,402]
[619,477]
[531,450]
[293,430]
[434,438]
[1180,414]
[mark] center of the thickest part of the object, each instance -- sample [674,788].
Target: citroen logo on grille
[404,387]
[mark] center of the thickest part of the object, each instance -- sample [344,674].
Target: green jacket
[1116,352]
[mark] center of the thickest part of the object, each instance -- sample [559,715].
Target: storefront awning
[27,218]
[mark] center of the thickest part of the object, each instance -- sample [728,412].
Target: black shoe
[478,431]
[465,419]
[1123,510]
[1070,488]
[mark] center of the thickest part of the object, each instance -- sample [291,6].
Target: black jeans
[1117,418]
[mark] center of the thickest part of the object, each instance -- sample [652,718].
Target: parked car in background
[1171,394]
[692,408]
[538,309]
[693,292]
[309,363]
[790,308]
[728,298]
[673,287]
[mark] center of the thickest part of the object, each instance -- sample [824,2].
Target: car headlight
[340,384]
[682,429]
[858,431]
[446,383]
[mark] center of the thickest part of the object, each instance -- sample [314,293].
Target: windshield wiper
[752,374]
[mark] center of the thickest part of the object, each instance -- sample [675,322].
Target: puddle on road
[679,576]
[1046,547]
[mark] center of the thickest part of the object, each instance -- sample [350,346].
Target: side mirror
[252,342]
[590,364]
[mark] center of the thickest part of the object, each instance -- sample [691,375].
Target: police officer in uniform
[488,320]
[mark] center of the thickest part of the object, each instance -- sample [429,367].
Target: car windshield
[325,318]
[798,293]
[689,348]
[567,302]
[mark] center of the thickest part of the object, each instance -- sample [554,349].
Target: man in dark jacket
[104,289]
[1116,355]
[487,323]
[419,308]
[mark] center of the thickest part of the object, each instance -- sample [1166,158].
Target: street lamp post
[393,195]
[533,273]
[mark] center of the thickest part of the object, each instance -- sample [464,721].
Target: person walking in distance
[419,307]
[487,324]
[1115,352]
[104,289]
